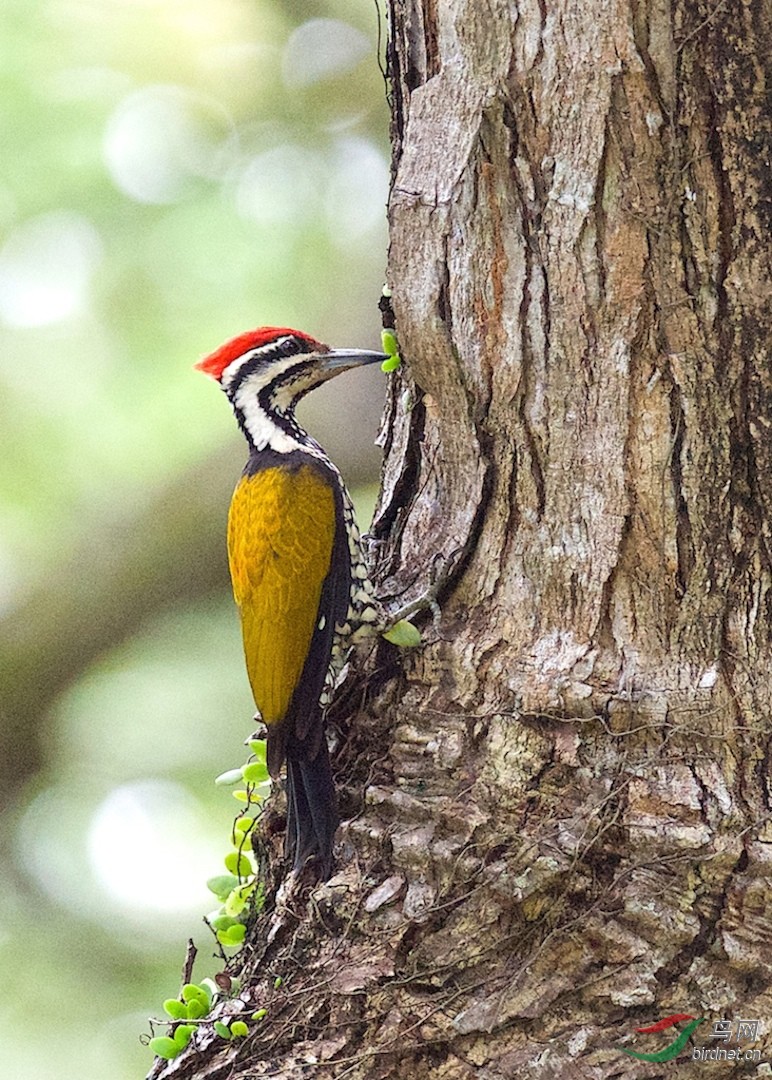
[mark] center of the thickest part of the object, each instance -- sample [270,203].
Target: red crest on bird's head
[216,363]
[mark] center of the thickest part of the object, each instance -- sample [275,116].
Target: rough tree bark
[560,819]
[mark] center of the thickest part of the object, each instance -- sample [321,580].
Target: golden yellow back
[281,529]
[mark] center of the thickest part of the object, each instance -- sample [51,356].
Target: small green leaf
[391,364]
[254,773]
[221,921]
[196,1008]
[238,863]
[277,982]
[240,795]
[239,1029]
[258,748]
[389,342]
[232,776]
[259,1014]
[164,1047]
[222,885]
[210,988]
[235,903]
[390,346]
[194,992]
[222,1030]
[404,634]
[183,1034]
[239,898]
[243,824]
[175,1008]
[233,935]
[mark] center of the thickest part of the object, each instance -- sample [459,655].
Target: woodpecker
[299,575]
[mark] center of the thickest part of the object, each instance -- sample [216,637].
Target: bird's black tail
[312,813]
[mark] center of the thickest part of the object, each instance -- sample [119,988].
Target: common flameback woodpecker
[299,575]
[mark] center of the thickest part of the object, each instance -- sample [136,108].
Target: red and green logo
[673,1049]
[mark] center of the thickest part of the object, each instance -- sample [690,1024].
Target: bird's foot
[397,624]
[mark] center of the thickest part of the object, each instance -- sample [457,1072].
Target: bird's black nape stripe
[267,355]
[284,420]
[283,380]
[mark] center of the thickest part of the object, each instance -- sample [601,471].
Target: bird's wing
[281,537]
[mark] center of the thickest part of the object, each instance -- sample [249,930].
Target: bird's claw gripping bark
[442,567]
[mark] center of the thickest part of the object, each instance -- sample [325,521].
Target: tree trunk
[565,830]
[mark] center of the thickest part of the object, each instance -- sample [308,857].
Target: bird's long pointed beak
[342,359]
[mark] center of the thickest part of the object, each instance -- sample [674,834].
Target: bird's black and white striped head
[266,372]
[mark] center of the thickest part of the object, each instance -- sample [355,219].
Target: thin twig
[190,959]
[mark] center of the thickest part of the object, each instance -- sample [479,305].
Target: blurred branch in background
[124,572]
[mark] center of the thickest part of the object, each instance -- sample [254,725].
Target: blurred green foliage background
[173,172]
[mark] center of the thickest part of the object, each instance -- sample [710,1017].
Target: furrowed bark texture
[578,275]
[565,831]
